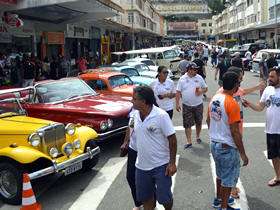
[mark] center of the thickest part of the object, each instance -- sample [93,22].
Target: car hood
[150,74]
[100,104]
[16,125]
[141,80]
[125,89]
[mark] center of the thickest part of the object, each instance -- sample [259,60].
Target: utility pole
[275,32]
[132,24]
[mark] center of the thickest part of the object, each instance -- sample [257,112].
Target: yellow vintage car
[39,148]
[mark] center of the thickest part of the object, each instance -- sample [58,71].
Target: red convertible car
[73,101]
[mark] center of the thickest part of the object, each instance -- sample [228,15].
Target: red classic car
[73,101]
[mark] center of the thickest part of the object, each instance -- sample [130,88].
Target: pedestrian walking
[263,71]
[237,97]
[28,72]
[237,61]
[54,71]
[129,145]
[201,67]
[65,67]
[248,56]
[222,68]
[271,62]
[164,90]
[156,145]
[182,65]
[223,117]
[205,55]
[214,56]
[82,64]
[191,87]
[271,100]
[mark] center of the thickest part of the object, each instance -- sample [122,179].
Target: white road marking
[98,187]
[245,125]
[270,161]
[159,207]
[242,202]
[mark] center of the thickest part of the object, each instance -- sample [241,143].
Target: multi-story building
[205,28]
[187,30]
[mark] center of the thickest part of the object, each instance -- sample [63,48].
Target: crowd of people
[151,139]
[24,70]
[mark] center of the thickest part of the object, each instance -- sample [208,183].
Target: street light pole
[133,39]
[275,32]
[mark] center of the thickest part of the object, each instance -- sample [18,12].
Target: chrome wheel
[8,184]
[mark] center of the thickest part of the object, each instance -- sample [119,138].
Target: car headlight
[67,149]
[77,143]
[70,128]
[103,125]
[34,139]
[110,123]
[53,152]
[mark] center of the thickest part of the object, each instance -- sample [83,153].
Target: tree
[216,6]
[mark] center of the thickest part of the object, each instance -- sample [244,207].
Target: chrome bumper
[102,136]
[58,167]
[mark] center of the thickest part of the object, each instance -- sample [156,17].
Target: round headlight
[110,123]
[34,139]
[70,128]
[67,149]
[103,125]
[77,143]
[53,152]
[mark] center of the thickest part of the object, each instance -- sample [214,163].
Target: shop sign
[77,32]
[12,20]
[8,1]
[17,31]
[55,38]
[95,33]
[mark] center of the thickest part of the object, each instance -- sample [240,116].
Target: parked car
[152,66]
[129,71]
[234,49]
[256,61]
[39,147]
[251,47]
[108,82]
[71,100]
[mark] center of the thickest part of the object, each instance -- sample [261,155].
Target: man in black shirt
[222,67]
[201,67]
[271,62]
[28,72]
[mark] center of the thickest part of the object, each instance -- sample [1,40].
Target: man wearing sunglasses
[191,86]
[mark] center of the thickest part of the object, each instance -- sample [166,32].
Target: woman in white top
[164,90]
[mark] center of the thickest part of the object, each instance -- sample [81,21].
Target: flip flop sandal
[273,182]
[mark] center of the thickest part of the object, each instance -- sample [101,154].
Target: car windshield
[148,62]
[142,67]
[11,107]
[130,72]
[62,90]
[245,47]
[170,54]
[119,80]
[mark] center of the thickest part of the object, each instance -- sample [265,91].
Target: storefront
[105,50]
[52,44]
[95,43]
[77,42]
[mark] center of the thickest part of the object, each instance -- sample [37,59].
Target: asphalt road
[106,188]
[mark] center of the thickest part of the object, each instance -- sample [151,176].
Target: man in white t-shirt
[248,56]
[156,146]
[191,87]
[271,100]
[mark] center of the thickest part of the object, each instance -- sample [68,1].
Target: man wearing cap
[191,86]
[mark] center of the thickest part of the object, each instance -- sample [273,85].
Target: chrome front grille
[53,135]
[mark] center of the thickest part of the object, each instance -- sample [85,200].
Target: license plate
[73,168]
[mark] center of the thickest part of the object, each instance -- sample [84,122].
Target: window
[130,18]
[203,24]
[211,31]
[210,24]
[130,72]
[203,31]
[116,81]
[97,85]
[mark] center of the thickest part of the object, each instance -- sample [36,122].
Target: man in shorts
[191,86]
[271,100]
[223,117]
[156,145]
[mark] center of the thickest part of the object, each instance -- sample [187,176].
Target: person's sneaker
[217,202]
[230,208]
[198,141]
[187,146]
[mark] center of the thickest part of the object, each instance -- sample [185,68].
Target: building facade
[205,28]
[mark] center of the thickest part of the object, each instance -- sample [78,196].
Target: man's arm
[256,107]
[178,95]
[262,73]
[171,167]
[126,138]
[254,88]
[208,122]
[235,132]
[203,70]
[216,72]
[202,91]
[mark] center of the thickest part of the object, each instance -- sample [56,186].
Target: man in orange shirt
[223,118]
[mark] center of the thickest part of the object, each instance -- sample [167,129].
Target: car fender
[22,154]
[85,133]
